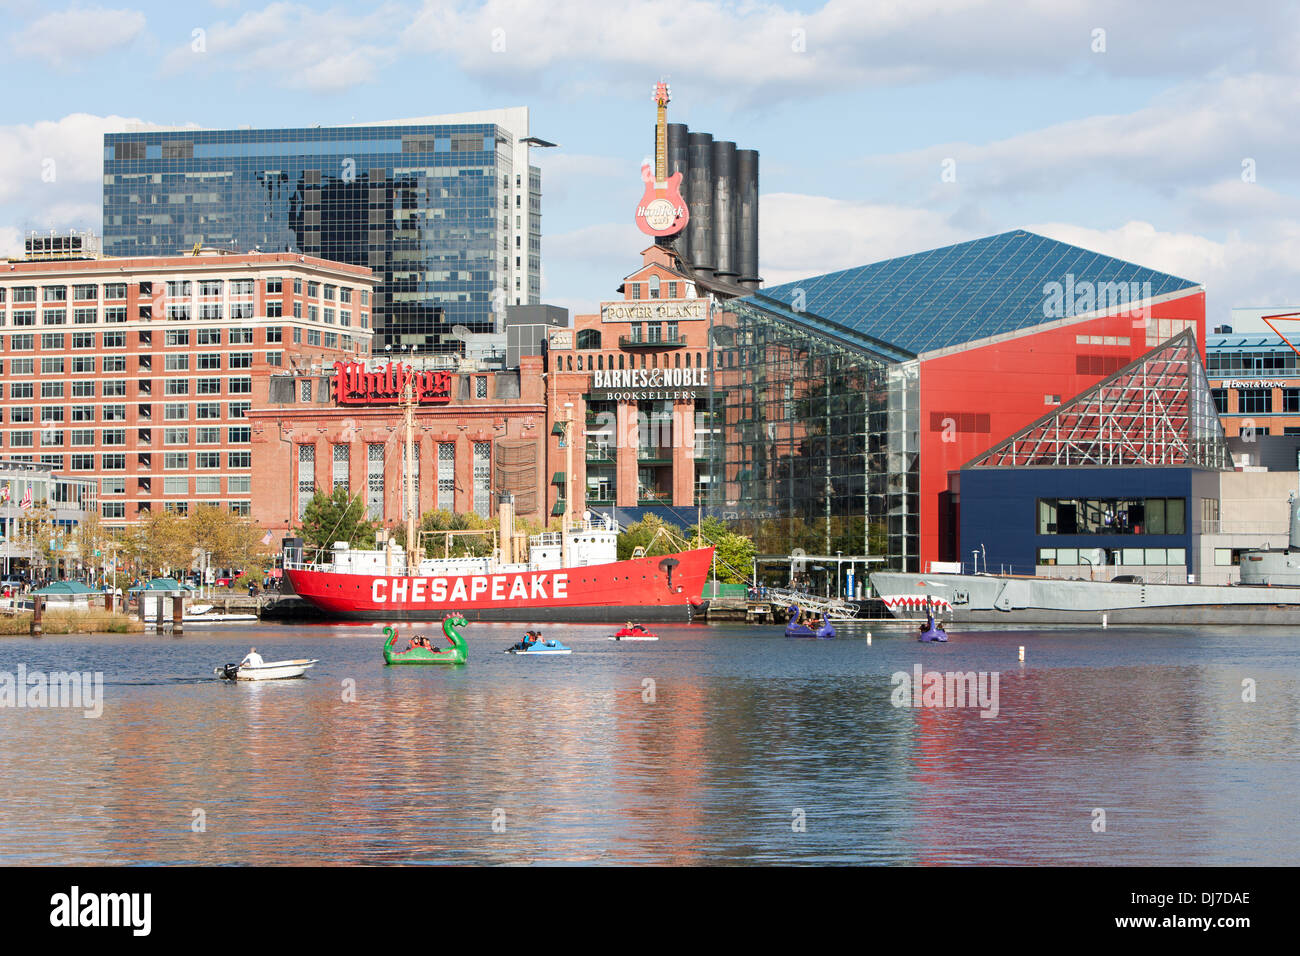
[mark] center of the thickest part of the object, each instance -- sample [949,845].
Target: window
[51,342]
[51,389]
[83,413]
[114,389]
[274,285]
[482,478]
[241,287]
[114,413]
[83,389]
[313,313]
[20,414]
[113,363]
[313,337]
[20,390]
[24,317]
[480,386]
[83,462]
[176,436]
[207,485]
[241,336]
[114,340]
[274,310]
[115,313]
[1111,516]
[207,360]
[84,317]
[177,362]
[51,413]
[114,509]
[180,288]
[313,290]
[304,390]
[114,462]
[177,386]
[275,358]
[51,366]
[240,459]
[239,434]
[210,287]
[23,366]
[239,409]
[331,340]
[83,437]
[178,337]
[329,316]
[113,436]
[20,439]
[174,460]
[207,435]
[51,438]
[25,293]
[83,340]
[54,293]
[115,290]
[241,359]
[208,386]
[239,484]
[341,461]
[176,486]
[206,410]
[274,334]
[1255,401]
[112,486]
[208,337]
[208,460]
[210,311]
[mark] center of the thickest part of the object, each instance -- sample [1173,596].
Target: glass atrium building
[446,209]
[851,401]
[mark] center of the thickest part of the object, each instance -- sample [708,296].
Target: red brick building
[140,372]
[636,377]
[479,432]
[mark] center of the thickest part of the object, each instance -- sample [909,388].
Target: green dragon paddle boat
[458,653]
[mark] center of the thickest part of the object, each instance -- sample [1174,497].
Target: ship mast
[412,564]
[568,479]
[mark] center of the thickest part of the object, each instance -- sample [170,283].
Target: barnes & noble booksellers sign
[648,384]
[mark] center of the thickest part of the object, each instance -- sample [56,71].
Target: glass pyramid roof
[961,293]
[1156,411]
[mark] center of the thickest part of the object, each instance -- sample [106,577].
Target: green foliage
[641,534]
[337,516]
[734,554]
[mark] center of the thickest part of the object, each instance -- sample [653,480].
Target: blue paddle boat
[794,629]
[932,631]
[534,643]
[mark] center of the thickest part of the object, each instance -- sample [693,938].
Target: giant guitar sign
[662,210]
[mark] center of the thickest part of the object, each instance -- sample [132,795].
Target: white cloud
[292,45]
[68,37]
[51,173]
[760,51]
[802,236]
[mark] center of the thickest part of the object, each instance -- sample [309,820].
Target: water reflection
[752,749]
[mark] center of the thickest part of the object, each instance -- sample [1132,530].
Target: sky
[1160,132]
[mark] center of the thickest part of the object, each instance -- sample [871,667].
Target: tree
[734,554]
[231,540]
[337,516]
[645,534]
[160,543]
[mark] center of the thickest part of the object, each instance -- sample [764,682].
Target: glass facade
[448,216]
[818,444]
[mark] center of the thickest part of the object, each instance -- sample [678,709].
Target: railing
[630,342]
[836,609]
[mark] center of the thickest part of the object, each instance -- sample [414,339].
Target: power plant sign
[662,210]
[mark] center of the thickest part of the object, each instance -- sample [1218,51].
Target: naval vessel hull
[1000,599]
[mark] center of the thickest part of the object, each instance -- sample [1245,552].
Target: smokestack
[699,196]
[747,185]
[725,212]
[679,161]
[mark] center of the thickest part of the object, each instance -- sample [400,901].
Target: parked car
[228,580]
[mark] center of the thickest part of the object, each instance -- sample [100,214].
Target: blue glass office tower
[446,209]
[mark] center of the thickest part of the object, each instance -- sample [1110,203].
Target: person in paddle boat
[252,658]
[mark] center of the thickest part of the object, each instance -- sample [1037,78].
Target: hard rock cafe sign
[662,211]
[354,384]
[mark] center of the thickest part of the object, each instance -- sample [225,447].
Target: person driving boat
[252,658]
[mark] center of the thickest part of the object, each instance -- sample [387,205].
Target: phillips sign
[354,384]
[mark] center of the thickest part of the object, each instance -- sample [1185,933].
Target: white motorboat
[635,638]
[207,614]
[270,670]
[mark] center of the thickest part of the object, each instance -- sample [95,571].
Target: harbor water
[714,745]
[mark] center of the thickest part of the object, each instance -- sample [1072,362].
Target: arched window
[643,360]
[654,287]
[654,361]
[698,363]
[688,359]
[677,360]
[589,338]
[600,362]
[579,363]
[570,363]
[620,362]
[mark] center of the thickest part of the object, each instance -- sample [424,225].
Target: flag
[27,498]
[4,495]
[266,539]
